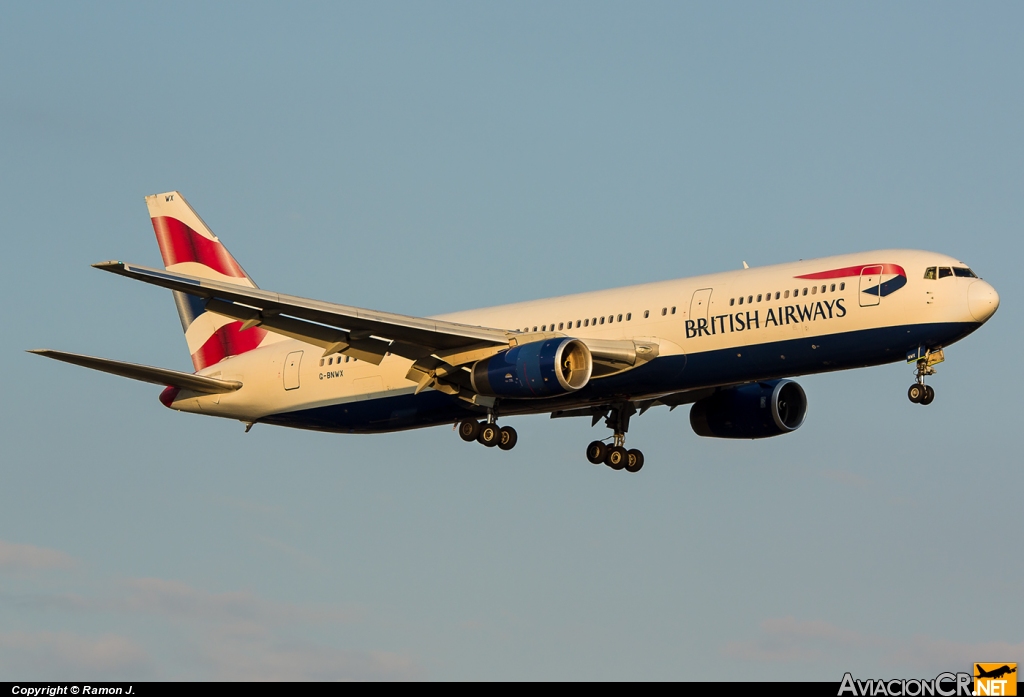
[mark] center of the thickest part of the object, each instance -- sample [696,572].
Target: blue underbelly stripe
[668,373]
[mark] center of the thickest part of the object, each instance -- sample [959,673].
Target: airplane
[996,673]
[727,344]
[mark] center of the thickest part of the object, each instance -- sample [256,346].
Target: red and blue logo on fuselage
[882,288]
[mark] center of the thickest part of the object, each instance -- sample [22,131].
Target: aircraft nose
[982,300]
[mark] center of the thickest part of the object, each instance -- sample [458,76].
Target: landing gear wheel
[916,393]
[596,452]
[469,430]
[507,438]
[617,457]
[490,435]
[634,461]
[929,395]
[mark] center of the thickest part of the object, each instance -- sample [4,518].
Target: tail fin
[188,246]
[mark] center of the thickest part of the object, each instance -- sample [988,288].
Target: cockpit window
[929,274]
[945,271]
[963,272]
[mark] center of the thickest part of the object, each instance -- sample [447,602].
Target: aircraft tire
[490,435]
[617,457]
[929,395]
[508,438]
[635,460]
[469,430]
[916,393]
[596,452]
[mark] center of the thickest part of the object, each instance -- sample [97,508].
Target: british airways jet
[726,343]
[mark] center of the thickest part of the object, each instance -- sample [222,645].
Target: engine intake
[539,369]
[759,410]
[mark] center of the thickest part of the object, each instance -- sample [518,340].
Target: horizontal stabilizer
[145,373]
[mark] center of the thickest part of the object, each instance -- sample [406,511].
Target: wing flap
[144,373]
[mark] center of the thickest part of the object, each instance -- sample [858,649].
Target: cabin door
[870,285]
[291,370]
[699,304]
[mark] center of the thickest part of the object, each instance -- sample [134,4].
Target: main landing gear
[616,456]
[920,393]
[488,433]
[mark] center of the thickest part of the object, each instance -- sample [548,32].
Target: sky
[424,158]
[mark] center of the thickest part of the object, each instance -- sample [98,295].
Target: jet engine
[540,369]
[758,410]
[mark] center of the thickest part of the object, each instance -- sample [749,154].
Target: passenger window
[814,290]
[805,291]
[732,301]
[750,299]
[629,316]
[602,320]
[543,327]
[586,323]
[945,271]
[593,321]
[787,293]
[930,274]
[777,295]
[611,318]
[741,300]
[823,289]
[673,309]
[559,326]
[535,328]
[647,313]
[758,297]
[577,324]
[664,311]
[619,318]
[842,286]
[321,362]
[832,289]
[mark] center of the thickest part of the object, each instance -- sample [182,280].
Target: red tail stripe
[855,271]
[227,341]
[178,242]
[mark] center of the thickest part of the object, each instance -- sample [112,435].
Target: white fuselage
[712,330]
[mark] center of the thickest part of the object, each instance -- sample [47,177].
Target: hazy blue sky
[429,157]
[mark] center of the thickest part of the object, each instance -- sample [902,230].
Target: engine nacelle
[759,410]
[539,369]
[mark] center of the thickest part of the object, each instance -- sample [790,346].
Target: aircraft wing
[145,373]
[365,334]
[439,350]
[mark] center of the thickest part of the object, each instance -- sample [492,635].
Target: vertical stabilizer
[188,246]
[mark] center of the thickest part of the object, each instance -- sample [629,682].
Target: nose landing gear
[920,393]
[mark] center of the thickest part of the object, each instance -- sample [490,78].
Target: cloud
[66,655]
[231,656]
[15,558]
[789,640]
[939,654]
[178,600]
[236,635]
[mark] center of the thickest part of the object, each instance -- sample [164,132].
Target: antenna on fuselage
[745,265]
